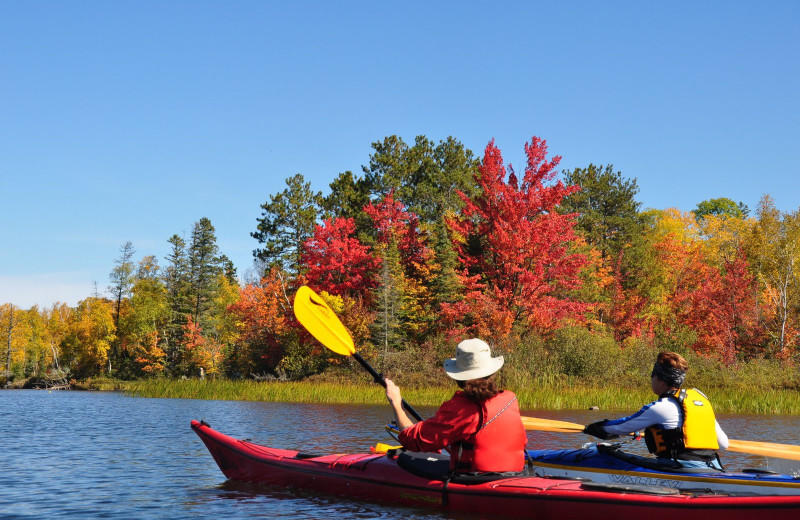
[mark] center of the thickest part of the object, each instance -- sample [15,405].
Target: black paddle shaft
[381,381]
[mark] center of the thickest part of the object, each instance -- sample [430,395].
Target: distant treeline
[560,271]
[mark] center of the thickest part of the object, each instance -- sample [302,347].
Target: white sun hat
[473,361]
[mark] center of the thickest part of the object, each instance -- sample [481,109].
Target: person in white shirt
[679,426]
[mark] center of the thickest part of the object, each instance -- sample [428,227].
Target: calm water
[105,455]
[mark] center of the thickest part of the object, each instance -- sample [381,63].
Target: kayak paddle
[320,320]
[766,449]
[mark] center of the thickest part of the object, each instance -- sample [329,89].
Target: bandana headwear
[672,376]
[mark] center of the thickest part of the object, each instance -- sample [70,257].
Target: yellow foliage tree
[90,333]
[773,247]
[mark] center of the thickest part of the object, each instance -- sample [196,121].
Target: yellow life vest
[699,422]
[697,438]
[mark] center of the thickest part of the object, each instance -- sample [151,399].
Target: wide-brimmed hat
[473,361]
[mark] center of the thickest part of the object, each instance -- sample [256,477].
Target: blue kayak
[607,463]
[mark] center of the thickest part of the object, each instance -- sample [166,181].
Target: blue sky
[129,121]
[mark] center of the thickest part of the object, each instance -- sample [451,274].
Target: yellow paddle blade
[320,320]
[550,425]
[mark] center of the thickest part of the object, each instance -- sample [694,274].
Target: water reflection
[287,503]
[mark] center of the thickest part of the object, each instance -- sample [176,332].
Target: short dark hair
[480,390]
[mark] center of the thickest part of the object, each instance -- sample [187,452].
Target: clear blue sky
[131,120]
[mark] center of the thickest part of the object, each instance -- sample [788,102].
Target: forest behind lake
[562,272]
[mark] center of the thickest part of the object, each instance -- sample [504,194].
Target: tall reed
[539,396]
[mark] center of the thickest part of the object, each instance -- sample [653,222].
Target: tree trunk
[9,331]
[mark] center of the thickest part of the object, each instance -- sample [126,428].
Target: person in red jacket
[480,426]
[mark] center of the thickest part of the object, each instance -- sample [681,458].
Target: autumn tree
[57,318]
[427,178]
[143,327]
[608,219]
[90,333]
[692,297]
[198,354]
[222,324]
[404,293]
[774,249]
[337,262]
[34,331]
[122,280]
[263,316]
[9,324]
[287,220]
[515,248]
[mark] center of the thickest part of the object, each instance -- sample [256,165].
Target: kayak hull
[610,465]
[380,477]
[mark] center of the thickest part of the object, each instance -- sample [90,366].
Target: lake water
[107,455]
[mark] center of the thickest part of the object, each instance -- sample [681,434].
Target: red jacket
[498,447]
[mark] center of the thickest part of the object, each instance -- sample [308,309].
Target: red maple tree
[394,222]
[337,262]
[515,247]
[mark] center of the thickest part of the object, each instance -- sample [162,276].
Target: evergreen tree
[608,214]
[425,177]
[228,269]
[446,286]
[177,284]
[349,194]
[204,267]
[428,179]
[287,220]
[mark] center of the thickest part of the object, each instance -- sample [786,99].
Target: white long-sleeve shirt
[664,413]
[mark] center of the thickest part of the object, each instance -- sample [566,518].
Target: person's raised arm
[396,402]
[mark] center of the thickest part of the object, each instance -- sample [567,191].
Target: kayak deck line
[380,477]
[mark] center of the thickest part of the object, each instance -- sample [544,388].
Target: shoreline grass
[540,397]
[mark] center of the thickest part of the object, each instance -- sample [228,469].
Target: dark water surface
[106,455]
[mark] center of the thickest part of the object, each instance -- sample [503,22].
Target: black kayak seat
[436,466]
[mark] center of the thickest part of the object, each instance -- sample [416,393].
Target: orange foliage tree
[264,319]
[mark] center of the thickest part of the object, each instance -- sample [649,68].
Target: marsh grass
[281,391]
[540,396]
[574,370]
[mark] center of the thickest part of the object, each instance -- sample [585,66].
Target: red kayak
[420,480]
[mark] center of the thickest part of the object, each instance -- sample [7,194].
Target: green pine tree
[287,220]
